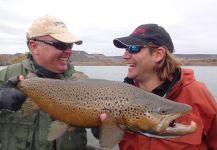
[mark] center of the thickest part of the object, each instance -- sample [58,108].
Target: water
[205,74]
[2,67]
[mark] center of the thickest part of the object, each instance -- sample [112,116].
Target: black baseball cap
[146,34]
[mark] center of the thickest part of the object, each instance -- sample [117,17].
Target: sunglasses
[133,49]
[58,45]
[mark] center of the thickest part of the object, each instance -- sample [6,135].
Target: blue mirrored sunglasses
[57,44]
[133,49]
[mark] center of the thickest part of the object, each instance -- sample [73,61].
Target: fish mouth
[168,128]
[167,122]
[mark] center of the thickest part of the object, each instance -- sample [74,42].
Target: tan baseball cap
[49,25]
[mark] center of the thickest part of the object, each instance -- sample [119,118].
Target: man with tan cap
[50,44]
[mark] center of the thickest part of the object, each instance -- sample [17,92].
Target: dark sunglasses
[133,49]
[58,45]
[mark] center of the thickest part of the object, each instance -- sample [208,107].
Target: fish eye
[162,111]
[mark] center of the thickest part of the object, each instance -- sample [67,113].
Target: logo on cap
[138,31]
[60,23]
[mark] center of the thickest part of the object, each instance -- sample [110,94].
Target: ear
[159,54]
[33,46]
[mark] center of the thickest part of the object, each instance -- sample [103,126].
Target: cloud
[192,24]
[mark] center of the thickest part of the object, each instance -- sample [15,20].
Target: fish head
[156,118]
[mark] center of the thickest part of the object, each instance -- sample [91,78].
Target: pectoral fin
[57,129]
[110,133]
[29,107]
[31,75]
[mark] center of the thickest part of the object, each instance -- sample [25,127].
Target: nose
[127,55]
[68,50]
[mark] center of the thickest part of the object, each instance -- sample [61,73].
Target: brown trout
[80,103]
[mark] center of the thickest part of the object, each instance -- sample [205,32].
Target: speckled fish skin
[80,103]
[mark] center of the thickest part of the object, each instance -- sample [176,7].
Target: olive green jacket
[30,133]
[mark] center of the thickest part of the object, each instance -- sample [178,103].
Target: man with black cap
[153,67]
[50,44]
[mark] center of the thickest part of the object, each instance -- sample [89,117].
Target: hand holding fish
[95,131]
[103,116]
[11,98]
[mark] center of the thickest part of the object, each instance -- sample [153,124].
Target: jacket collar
[187,77]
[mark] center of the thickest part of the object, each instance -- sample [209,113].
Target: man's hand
[95,131]
[11,98]
[12,82]
[103,116]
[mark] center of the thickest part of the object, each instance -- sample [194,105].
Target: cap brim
[67,38]
[124,42]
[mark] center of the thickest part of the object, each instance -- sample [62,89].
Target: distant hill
[198,59]
[7,59]
[197,56]
[85,59]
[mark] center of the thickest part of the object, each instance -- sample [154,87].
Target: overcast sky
[192,24]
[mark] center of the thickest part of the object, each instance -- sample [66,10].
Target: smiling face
[140,64]
[48,56]
[143,64]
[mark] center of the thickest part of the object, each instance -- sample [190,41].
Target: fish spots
[81,96]
[88,96]
[117,112]
[148,112]
[147,115]
[133,111]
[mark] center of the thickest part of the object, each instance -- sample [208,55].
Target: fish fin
[78,76]
[31,75]
[57,129]
[29,107]
[110,133]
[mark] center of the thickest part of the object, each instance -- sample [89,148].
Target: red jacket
[204,113]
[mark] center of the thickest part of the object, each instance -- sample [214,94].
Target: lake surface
[205,74]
